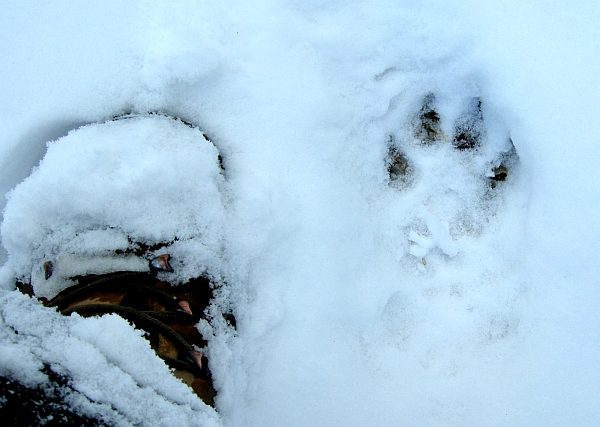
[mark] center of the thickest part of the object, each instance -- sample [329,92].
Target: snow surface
[340,322]
[104,187]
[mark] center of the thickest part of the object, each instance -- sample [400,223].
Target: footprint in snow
[451,166]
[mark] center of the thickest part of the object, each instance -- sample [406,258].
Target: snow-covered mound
[108,197]
[107,188]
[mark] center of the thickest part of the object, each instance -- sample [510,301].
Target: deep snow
[339,320]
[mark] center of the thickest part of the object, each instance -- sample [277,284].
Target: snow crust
[357,302]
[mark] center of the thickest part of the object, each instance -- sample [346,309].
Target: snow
[114,373]
[358,301]
[51,216]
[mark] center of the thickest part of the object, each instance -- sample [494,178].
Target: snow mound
[149,180]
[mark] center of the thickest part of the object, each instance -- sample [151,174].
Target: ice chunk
[440,238]
[441,235]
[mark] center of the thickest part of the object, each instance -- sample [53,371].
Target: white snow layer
[437,302]
[102,188]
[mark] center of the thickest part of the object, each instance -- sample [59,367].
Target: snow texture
[103,188]
[425,299]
